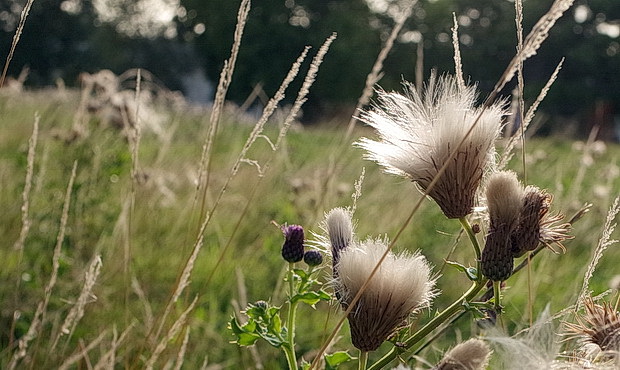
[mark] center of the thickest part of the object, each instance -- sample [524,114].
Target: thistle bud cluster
[293,247]
[518,223]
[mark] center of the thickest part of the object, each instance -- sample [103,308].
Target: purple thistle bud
[313,258]
[293,248]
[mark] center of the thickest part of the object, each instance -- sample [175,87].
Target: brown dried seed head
[535,206]
[600,324]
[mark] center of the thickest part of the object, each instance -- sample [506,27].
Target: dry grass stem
[220,97]
[529,116]
[83,353]
[257,130]
[32,148]
[38,317]
[533,41]
[458,65]
[18,34]
[182,350]
[604,242]
[86,295]
[375,73]
[148,311]
[305,89]
[108,359]
[179,324]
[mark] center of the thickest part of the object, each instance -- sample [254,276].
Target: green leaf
[310,298]
[247,339]
[471,272]
[246,334]
[335,359]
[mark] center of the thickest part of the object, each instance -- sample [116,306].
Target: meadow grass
[314,172]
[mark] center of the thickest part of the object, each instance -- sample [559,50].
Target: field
[144,227]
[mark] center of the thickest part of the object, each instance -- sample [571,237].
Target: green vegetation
[314,171]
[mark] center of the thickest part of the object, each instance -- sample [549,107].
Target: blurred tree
[65,37]
[275,35]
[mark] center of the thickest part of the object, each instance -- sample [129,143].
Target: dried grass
[39,316]
[375,73]
[176,327]
[86,296]
[604,242]
[18,34]
[32,148]
[220,97]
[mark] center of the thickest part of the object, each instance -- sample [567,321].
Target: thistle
[519,221]
[472,354]
[293,247]
[339,229]
[422,133]
[504,198]
[600,325]
[401,286]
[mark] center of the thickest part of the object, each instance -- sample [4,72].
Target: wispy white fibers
[402,285]
[420,133]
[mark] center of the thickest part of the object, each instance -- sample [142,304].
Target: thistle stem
[474,242]
[289,348]
[363,360]
[430,326]
[497,291]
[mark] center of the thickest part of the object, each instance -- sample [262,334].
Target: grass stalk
[16,37]
[375,74]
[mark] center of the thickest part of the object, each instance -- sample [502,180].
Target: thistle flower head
[421,133]
[293,247]
[504,198]
[401,285]
[339,229]
[472,354]
[313,258]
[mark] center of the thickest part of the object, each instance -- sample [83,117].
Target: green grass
[314,172]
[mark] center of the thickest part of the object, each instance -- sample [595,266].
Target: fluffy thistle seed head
[293,247]
[402,285]
[419,134]
[472,354]
[339,228]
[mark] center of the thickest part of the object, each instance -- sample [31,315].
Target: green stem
[363,360]
[497,291]
[289,348]
[474,242]
[430,326]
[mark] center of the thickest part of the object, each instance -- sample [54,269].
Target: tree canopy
[63,38]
